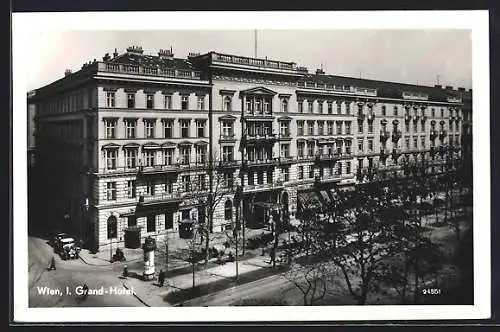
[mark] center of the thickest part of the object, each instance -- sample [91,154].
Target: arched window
[227,103]
[112,227]
[228,210]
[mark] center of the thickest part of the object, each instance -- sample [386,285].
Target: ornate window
[111,191]
[110,158]
[150,101]
[112,227]
[226,103]
[110,99]
[131,100]
[131,158]
[284,105]
[228,210]
[130,127]
[110,126]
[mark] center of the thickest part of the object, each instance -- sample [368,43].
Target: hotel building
[141,140]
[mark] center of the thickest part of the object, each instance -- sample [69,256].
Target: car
[67,248]
[56,237]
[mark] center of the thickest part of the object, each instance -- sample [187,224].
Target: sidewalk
[178,288]
[176,246]
[103,257]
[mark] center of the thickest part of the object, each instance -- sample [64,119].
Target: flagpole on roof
[255,43]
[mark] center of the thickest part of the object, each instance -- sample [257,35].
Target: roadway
[69,275]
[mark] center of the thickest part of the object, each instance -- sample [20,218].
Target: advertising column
[149,248]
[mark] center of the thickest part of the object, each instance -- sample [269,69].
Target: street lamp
[237,202]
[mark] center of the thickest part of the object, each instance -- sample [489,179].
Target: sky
[406,56]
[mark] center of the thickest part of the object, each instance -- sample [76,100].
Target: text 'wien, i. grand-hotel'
[141,140]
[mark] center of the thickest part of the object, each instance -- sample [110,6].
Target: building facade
[141,140]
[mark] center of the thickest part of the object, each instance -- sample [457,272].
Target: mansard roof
[384,88]
[151,61]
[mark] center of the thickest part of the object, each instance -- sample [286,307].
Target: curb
[135,295]
[107,263]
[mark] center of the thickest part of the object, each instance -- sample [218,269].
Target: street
[270,289]
[69,275]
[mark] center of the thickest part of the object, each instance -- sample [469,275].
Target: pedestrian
[161,278]
[271,256]
[52,265]
[85,291]
[125,271]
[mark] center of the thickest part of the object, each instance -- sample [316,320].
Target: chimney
[320,72]
[461,89]
[67,72]
[115,54]
[166,54]
[439,86]
[448,87]
[135,49]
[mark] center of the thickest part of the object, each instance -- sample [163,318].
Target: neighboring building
[134,139]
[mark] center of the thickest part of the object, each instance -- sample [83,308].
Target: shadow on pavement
[178,296]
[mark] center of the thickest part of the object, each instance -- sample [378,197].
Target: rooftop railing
[148,71]
[262,63]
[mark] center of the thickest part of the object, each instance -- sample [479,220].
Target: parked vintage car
[54,241]
[67,248]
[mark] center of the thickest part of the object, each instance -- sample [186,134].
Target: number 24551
[431,291]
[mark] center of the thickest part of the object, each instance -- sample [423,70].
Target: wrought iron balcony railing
[396,135]
[384,134]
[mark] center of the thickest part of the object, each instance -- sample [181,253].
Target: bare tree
[311,279]
[221,187]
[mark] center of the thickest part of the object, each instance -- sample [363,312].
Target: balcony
[262,187]
[227,138]
[158,169]
[116,170]
[384,134]
[228,163]
[260,162]
[325,158]
[258,138]
[371,116]
[148,71]
[160,199]
[285,136]
[329,178]
[286,159]
[396,135]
